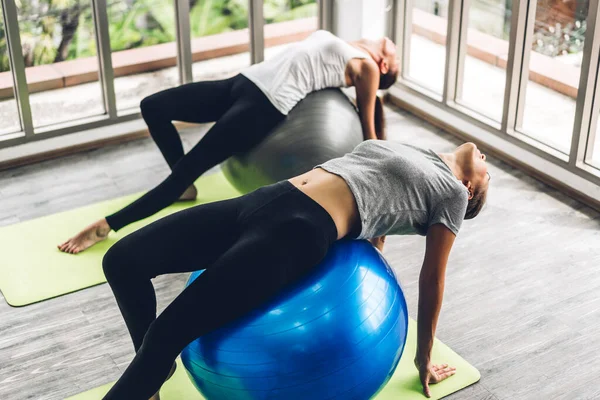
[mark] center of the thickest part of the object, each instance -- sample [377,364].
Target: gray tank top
[400,189]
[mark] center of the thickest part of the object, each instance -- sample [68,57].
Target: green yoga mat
[32,269]
[404,385]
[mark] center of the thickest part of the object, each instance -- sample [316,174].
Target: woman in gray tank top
[254,246]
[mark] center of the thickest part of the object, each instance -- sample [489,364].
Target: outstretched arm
[366,81]
[431,290]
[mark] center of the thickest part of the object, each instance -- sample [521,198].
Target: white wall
[356,19]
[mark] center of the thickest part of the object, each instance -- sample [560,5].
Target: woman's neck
[450,160]
[368,48]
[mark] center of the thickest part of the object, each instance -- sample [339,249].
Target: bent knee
[152,106]
[111,261]
[117,260]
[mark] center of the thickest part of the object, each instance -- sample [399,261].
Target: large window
[59,51]
[220,38]
[142,41]
[9,116]
[527,72]
[484,46]
[555,52]
[287,21]
[426,44]
[83,64]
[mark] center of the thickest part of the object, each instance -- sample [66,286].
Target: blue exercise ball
[339,332]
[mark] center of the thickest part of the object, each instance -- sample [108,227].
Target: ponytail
[385,82]
[379,119]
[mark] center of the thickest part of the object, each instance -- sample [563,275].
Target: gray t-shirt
[400,189]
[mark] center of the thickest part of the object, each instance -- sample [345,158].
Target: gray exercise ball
[323,126]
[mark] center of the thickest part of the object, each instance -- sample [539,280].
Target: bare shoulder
[362,67]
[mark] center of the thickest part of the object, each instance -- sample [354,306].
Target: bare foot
[157,395]
[189,194]
[91,235]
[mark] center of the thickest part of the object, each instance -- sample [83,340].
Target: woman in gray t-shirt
[395,188]
[254,246]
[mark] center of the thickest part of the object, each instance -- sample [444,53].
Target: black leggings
[252,247]
[244,117]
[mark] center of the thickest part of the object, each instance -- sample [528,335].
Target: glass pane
[144,53]
[9,115]
[594,144]
[220,38]
[427,57]
[484,75]
[59,48]
[554,69]
[288,21]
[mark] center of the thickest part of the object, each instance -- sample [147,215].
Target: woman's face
[473,164]
[388,49]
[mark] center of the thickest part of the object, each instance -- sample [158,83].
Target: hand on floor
[434,373]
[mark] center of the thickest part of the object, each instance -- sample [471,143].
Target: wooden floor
[522,301]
